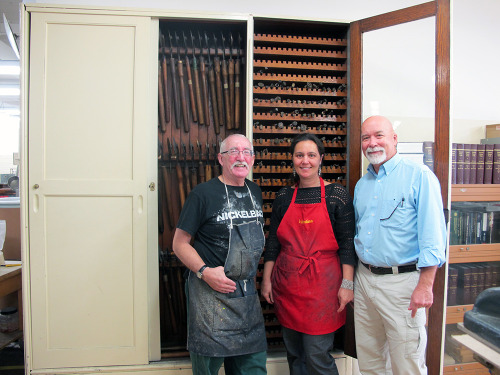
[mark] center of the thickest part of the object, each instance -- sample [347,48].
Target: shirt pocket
[394,213]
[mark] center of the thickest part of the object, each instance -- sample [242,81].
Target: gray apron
[223,325]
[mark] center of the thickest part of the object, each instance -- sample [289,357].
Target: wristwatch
[200,271]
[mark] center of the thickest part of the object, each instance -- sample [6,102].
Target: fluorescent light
[10,91]
[10,68]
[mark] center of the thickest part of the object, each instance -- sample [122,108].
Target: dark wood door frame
[441,10]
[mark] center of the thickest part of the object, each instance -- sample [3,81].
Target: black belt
[390,270]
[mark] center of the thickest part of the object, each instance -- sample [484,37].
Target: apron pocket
[236,314]
[242,264]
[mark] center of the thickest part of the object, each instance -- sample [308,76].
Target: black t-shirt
[206,216]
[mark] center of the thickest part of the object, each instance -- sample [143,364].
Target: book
[428,150]
[453,163]
[452,285]
[466,163]
[480,164]
[464,284]
[496,164]
[460,163]
[473,163]
[488,164]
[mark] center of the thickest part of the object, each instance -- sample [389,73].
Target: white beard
[376,159]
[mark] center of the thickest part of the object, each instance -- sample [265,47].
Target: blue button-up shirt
[399,216]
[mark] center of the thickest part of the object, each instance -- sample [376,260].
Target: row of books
[475,163]
[474,223]
[466,281]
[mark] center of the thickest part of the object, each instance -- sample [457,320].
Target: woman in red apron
[309,261]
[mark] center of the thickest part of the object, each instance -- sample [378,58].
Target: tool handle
[175,94]
[191,92]
[182,196]
[218,85]
[211,80]
[199,104]
[227,105]
[161,102]
[204,90]
[165,89]
[231,90]
[182,92]
[237,93]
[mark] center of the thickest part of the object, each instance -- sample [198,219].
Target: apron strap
[322,190]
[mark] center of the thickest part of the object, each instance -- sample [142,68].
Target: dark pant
[309,354]
[247,364]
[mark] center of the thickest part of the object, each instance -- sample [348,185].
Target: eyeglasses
[236,152]
[401,203]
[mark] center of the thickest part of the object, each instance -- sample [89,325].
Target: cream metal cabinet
[90,188]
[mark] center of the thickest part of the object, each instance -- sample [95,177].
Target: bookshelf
[467,254]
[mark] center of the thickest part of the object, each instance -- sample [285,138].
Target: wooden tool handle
[161,102]
[204,91]
[191,92]
[220,98]
[227,105]
[211,80]
[237,92]
[175,94]
[182,196]
[182,89]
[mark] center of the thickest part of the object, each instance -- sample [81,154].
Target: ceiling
[9,82]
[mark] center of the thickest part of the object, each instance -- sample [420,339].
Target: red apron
[307,275]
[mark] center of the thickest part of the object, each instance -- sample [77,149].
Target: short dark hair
[307,137]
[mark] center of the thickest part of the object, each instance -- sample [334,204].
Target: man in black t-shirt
[224,217]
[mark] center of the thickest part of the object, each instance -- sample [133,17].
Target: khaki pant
[388,340]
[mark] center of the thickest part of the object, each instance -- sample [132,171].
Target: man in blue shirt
[400,241]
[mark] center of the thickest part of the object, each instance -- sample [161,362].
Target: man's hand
[422,296]
[216,278]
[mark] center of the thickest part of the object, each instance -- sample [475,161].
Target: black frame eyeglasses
[395,208]
[236,152]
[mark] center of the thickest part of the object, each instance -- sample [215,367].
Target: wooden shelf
[475,193]
[455,314]
[297,78]
[474,253]
[472,368]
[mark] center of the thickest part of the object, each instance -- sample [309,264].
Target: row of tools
[206,80]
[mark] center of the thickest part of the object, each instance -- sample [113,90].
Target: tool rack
[299,85]
[202,96]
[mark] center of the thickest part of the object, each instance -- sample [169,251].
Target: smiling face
[306,160]
[235,168]
[378,140]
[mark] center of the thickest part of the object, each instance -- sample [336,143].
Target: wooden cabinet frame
[441,10]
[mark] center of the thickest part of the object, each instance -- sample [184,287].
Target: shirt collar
[388,166]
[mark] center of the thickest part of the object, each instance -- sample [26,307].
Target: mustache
[244,163]
[374,149]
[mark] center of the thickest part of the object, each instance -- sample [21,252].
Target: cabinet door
[88,189]
[439,10]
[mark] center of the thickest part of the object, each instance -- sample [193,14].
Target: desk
[11,282]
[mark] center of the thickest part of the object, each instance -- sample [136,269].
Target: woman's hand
[345,296]
[266,290]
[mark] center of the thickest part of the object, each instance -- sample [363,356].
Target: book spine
[428,150]
[466,163]
[488,164]
[460,163]
[453,163]
[480,164]
[496,164]
[452,285]
[473,163]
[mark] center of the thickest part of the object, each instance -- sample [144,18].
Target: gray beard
[373,159]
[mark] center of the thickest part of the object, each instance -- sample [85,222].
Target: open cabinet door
[89,127]
[438,13]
